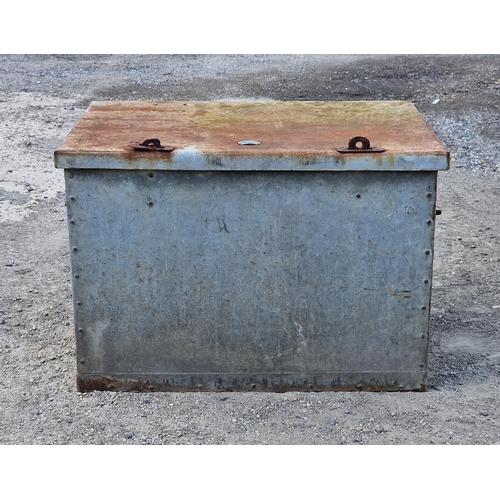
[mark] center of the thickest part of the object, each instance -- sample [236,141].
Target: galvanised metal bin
[239,246]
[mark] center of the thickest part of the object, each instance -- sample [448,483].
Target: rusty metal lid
[253,135]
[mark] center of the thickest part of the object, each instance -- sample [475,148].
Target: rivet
[421,365]
[310,386]
[426,281]
[78,303]
[150,203]
[424,308]
[358,196]
[429,222]
[82,361]
[429,195]
[401,386]
[75,249]
[72,198]
[359,387]
[253,386]
[71,221]
[151,175]
[427,252]
[80,330]
[77,276]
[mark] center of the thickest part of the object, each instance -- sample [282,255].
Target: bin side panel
[237,279]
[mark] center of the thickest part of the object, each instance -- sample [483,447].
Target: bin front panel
[236,280]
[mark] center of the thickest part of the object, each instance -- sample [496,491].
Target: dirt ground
[41,99]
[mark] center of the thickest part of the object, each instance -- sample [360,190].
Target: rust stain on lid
[285,128]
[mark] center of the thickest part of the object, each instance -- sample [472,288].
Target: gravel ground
[42,97]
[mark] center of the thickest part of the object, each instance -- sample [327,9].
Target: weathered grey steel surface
[242,280]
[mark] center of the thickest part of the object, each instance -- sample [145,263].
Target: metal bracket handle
[365,147]
[150,145]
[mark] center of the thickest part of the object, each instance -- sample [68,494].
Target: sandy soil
[42,97]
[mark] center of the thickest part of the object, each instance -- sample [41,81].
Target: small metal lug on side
[150,145]
[365,147]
